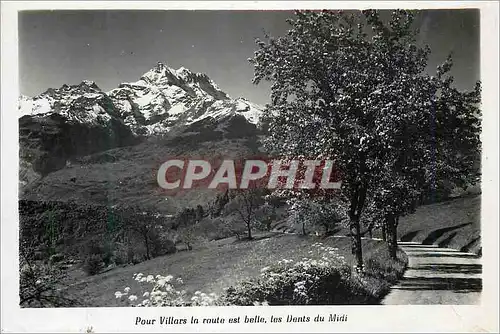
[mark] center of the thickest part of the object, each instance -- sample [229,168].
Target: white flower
[132,298]
[150,278]
[162,282]
[38,281]
[264,269]
[169,278]
[179,280]
[118,294]
[127,289]
[145,302]
[265,303]
[146,294]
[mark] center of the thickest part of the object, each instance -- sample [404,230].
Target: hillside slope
[454,223]
[125,176]
[212,267]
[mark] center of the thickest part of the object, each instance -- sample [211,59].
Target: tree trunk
[358,198]
[384,231]
[393,237]
[303,229]
[146,243]
[249,228]
[356,242]
[370,232]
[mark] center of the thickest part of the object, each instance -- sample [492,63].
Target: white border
[434,318]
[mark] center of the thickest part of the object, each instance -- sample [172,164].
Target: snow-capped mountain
[163,98]
[83,103]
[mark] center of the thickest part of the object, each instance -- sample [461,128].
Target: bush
[123,254]
[39,285]
[164,292]
[160,244]
[93,264]
[328,280]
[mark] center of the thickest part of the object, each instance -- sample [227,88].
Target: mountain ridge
[160,100]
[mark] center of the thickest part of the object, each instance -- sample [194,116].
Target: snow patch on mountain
[29,106]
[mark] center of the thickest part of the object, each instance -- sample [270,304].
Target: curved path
[437,276]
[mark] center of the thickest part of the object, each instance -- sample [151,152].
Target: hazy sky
[110,47]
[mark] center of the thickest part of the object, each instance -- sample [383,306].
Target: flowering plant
[165,292]
[319,279]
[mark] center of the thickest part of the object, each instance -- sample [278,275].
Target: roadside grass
[382,271]
[215,266]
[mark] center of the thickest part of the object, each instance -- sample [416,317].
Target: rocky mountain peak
[161,99]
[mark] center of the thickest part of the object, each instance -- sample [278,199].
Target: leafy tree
[219,203]
[148,228]
[231,225]
[189,236]
[353,88]
[309,213]
[246,202]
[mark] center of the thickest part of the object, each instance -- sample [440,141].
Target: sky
[111,47]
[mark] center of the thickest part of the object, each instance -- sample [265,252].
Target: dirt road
[437,276]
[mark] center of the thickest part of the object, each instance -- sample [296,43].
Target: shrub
[41,282]
[38,285]
[164,292]
[327,280]
[92,264]
[123,254]
[160,243]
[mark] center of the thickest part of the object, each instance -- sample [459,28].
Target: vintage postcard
[249,167]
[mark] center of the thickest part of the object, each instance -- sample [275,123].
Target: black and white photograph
[216,158]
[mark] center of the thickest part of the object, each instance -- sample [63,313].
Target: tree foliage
[353,88]
[316,214]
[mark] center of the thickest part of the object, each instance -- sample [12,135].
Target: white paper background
[434,318]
